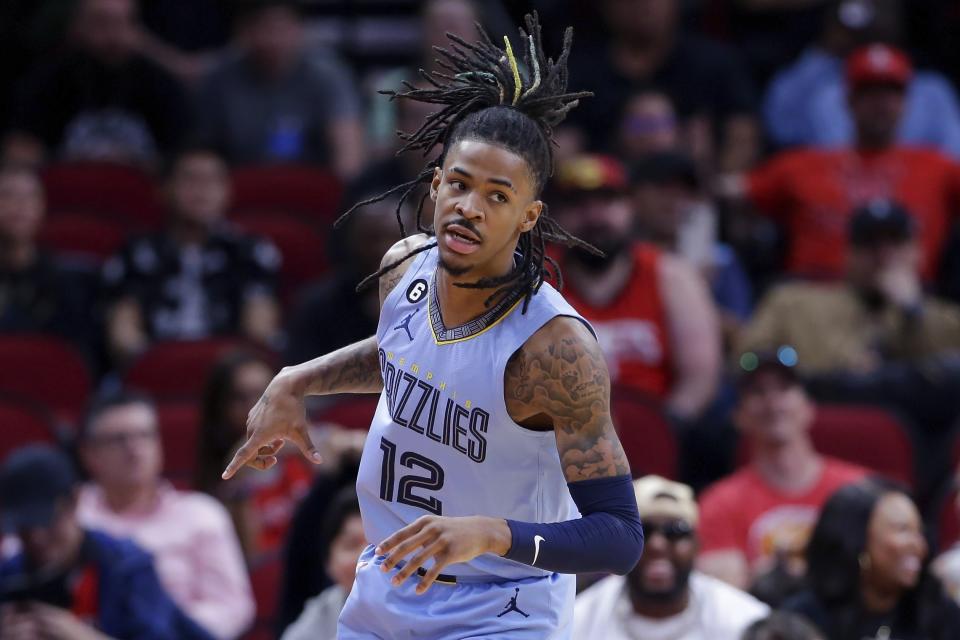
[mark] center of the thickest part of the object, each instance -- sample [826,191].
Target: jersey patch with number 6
[416,290]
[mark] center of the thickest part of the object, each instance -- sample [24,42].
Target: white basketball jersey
[441,441]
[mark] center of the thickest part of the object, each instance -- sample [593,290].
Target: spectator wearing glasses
[663,597]
[190,535]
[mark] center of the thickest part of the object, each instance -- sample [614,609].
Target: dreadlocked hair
[486,94]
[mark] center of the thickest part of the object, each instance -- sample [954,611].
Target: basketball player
[493,427]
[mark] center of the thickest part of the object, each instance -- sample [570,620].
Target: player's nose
[470,206]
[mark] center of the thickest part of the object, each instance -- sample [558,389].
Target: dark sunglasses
[673,531]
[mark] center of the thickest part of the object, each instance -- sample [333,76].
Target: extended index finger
[244,454]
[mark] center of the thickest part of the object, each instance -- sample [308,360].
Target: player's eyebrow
[504,182]
[501,181]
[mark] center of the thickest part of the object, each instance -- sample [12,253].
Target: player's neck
[459,305]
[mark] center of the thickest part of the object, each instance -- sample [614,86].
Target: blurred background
[775,184]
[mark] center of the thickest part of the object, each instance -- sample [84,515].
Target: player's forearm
[608,538]
[352,369]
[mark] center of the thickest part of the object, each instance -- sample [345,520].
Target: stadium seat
[948,531]
[300,190]
[82,234]
[350,411]
[124,193]
[646,435]
[47,371]
[303,248]
[265,578]
[177,369]
[843,431]
[22,424]
[179,433]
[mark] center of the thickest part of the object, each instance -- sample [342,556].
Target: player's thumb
[301,438]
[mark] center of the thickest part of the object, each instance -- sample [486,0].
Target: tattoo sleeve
[560,375]
[352,369]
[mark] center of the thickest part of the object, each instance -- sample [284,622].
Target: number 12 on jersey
[433,481]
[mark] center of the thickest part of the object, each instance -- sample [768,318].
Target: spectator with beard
[663,597]
[652,312]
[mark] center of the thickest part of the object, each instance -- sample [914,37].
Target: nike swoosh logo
[536,547]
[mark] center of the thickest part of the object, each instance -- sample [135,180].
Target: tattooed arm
[279,415]
[558,380]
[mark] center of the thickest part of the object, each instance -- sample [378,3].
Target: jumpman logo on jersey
[512,605]
[405,323]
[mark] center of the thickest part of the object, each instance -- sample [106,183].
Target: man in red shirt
[765,512]
[811,192]
[651,310]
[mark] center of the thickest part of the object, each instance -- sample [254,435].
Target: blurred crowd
[775,185]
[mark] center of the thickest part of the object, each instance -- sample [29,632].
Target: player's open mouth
[460,240]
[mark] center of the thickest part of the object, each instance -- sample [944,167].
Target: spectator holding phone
[71,583]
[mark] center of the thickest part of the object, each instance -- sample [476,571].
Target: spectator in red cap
[806,103]
[651,310]
[812,192]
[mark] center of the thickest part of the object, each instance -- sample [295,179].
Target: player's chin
[454,263]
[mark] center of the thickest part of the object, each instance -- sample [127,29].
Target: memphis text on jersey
[417,400]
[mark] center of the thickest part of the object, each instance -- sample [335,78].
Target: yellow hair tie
[516,70]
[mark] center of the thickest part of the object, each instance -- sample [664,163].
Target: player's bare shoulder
[394,254]
[558,367]
[559,378]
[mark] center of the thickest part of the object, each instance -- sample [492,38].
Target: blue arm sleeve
[608,538]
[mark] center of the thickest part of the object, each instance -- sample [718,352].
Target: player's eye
[499,197]
[458,185]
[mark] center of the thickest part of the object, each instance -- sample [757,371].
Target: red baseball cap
[878,64]
[585,173]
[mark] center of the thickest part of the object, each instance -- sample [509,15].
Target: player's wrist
[292,381]
[499,537]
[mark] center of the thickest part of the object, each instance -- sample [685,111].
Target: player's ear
[435,183]
[530,215]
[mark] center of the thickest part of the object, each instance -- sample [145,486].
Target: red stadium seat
[350,411]
[646,435]
[842,431]
[179,433]
[119,191]
[301,190]
[84,234]
[46,371]
[948,532]
[177,369]
[22,424]
[265,579]
[303,248]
